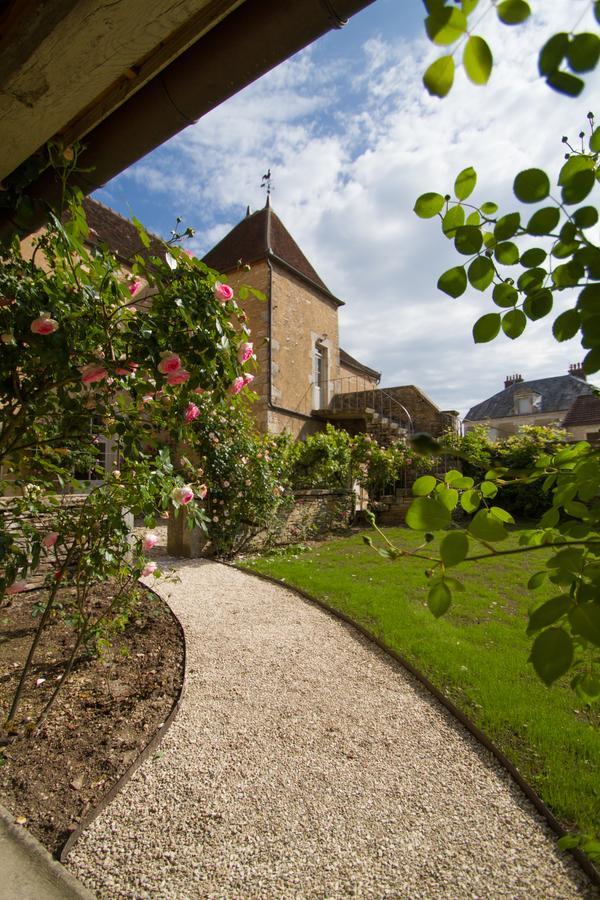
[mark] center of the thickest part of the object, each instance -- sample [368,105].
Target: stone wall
[301,316]
[424,413]
[313,514]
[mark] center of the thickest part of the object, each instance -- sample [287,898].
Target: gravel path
[305,763]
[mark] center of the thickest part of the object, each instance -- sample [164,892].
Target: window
[524,405]
[319,376]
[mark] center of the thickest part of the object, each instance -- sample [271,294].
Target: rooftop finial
[267,183]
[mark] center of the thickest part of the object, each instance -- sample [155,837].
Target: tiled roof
[347,360]
[557,394]
[117,232]
[584,411]
[258,236]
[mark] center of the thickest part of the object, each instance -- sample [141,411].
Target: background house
[542,401]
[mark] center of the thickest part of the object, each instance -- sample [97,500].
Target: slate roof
[117,232]
[351,362]
[585,410]
[557,393]
[262,235]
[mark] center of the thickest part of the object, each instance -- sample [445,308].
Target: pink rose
[245,351]
[150,540]
[188,253]
[199,391]
[248,379]
[44,325]
[182,495]
[180,376]
[170,362]
[50,539]
[16,587]
[147,398]
[134,286]
[149,569]
[203,491]
[236,386]
[192,412]
[223,292]
[93,372]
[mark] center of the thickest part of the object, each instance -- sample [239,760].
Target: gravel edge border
[145,753]
[586,865]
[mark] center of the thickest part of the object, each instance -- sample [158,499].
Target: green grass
[477,655]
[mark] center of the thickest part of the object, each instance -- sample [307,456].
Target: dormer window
[526,402]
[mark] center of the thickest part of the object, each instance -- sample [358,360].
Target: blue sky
[352,139]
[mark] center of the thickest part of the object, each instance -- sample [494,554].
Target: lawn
[476,654]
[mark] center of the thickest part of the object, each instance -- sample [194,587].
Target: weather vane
[266,183]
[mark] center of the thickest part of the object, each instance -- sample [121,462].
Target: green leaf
[565,83]
[445,26]
[504,295]
[535,256]
[465,482]
[488,489]
[488,208]
[452,475]
[544,221]
[568,560]
[477,60]
[468,6]
[447,496]
[473,218]
[507,226]
[502,514]
[427,514]
[585,216]
[573,165]
[585,621]
[439,77]
[552,654]
[531,185]
[487,527]
[536,581]
[552,53]
[513,12]
[428,205]
[583,52]
[578,187]
[569,842]
[531,279]
[538,305]
[454,548]
[468,240]
[465,183]
[548,613]
[453,282]
[481,273]
[595,140]
[566,325]
[424,485]
[513,323]
[591,362]
[470,501]
[452,220]
[439,599]
[507,253]
[486,328]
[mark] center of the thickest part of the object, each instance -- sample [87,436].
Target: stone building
[541,401]
[305,379]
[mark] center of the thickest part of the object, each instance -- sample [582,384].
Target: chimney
[512,379]
[576,369]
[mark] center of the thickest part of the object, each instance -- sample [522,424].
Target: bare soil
[108,711]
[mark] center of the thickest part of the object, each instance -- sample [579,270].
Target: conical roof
[263,235]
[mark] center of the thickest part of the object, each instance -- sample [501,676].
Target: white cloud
[350,152]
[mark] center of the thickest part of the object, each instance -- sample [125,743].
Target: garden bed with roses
[113,703]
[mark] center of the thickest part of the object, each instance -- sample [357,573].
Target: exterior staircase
[357,405]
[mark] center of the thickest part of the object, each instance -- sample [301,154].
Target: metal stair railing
[356,394]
